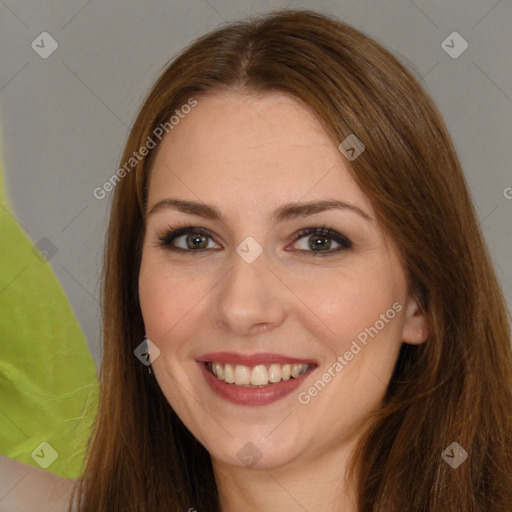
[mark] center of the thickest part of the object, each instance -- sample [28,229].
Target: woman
[374,375]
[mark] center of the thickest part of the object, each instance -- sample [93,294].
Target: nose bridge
[248,281]
[250,294]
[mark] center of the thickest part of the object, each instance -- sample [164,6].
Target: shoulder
[25,488]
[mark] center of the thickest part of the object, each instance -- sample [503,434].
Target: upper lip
[251,360]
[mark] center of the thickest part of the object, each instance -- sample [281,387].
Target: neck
[315,484]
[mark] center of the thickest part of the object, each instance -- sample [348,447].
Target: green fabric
[48,379]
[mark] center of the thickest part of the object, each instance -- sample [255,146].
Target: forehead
[257,150]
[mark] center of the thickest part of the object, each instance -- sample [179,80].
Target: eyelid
[171,233]
[175,231]
[323,231]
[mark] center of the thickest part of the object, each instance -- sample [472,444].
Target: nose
[251,298]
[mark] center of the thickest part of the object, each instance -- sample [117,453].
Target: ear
[415,329]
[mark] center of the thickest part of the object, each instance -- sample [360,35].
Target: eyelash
[166,237]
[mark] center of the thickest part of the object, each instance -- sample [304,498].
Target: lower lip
[253,396]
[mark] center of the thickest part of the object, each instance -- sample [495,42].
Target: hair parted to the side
[455,387]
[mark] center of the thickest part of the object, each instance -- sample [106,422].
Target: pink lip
[252,396]
[251,360]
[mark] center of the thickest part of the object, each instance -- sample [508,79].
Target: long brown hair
[455,387]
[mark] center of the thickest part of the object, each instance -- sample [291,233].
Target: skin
[249,155]
[25,488]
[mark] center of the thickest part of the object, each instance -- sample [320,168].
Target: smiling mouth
[257,376]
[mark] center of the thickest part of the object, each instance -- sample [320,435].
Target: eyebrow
[284,213]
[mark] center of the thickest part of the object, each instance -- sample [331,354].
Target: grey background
[65,118]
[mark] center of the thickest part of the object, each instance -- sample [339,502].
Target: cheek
[165,299]
[340,307]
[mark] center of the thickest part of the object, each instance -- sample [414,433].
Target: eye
[319,240]
[193,239]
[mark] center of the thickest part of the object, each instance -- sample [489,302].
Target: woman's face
[259,293]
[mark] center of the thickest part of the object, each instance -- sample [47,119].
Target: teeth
[242,375]
[296,369]
[229,375]
[219,372]
[274,373]
[258,376]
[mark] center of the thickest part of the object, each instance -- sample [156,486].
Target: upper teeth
[259,375]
